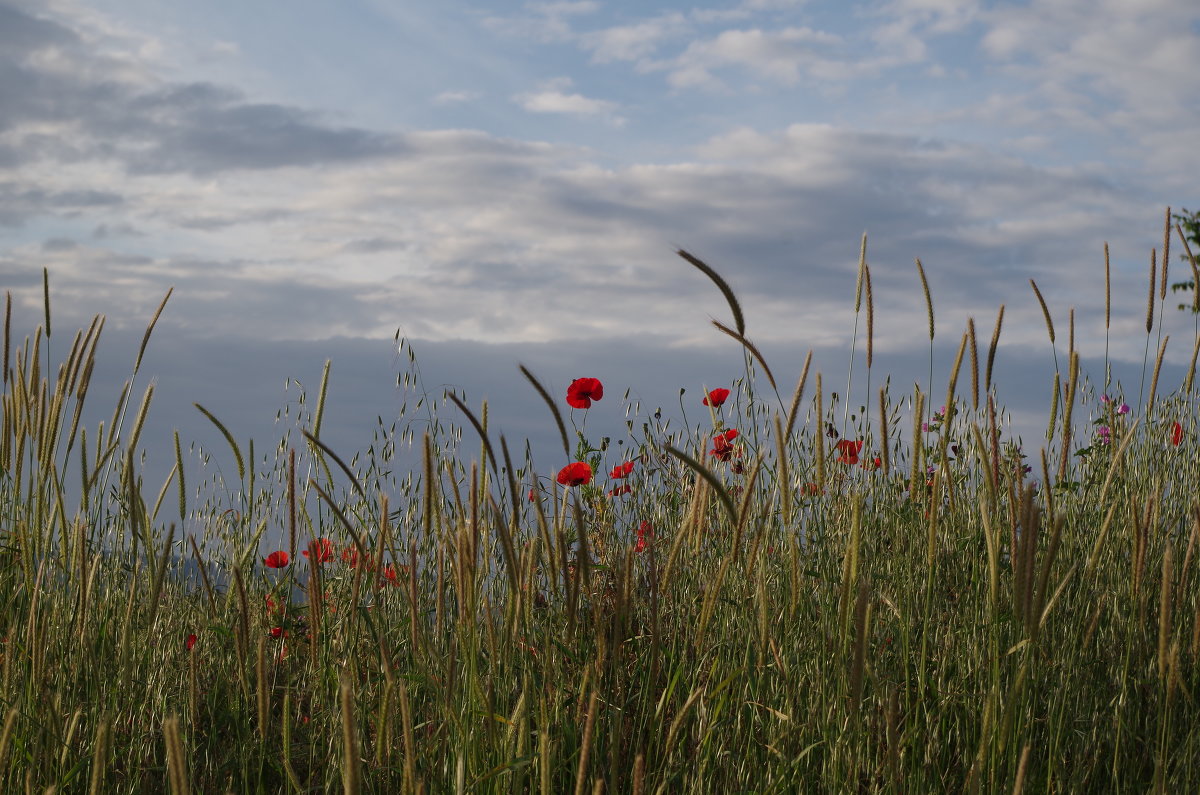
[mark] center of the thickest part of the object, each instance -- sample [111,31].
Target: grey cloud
[212,138]
[118,229]
[195,128]
[374,245]
[59,244]
[24,33]
[19,201]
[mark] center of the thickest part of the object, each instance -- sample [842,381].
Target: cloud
[782,56]
[553,99]
[455,97]
[634,42]
[544,22]
[65,101]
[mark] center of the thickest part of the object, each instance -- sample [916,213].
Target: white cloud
[545,22]
[552,98]
[455,97]
[781,56]
[632,42]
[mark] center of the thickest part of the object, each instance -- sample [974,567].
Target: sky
[505,183]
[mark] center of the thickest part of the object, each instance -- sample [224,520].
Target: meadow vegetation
[789,594]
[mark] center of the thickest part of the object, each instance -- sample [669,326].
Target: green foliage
[1189,223]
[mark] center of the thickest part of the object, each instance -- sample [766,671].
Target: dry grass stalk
[410,744]
[749,346]
[870,318]
[885,455]
[150,329]
[781,470]
[739,321]
[1162,349]
[100,745]
[861,622]
[585,748]
[974,350]
[1054,395]
[1070,331]
[819,435]
[1150,299]
[1164,610]
[1045,310]
[1022,766]
[797,396]
[176,759]
[858,279]
[928,297]
[1068,411]
[1166,254]
[7,333]
[1107,290]
[262,700]
[1189,379]
[918,444]
[351,773]
[10,722]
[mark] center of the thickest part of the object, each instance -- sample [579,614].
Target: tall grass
[784,615]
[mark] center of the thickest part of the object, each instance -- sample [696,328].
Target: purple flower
[1123,408]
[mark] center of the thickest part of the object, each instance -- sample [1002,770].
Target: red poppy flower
[278,632]
[577,474]
[583,391]
[716,397]
[276,560]
[390,575]
[621,470]
[619,490]
[723,448]
[1176,434]
[645,536]
[190,642]
[532,496]
[350,557]
[323,548]
[849,451]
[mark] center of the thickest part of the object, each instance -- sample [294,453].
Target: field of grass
[793,595]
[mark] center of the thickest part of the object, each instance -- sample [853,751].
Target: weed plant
[774,598]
